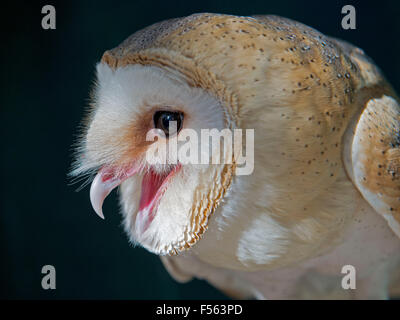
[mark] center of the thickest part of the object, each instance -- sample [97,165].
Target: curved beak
[105,181]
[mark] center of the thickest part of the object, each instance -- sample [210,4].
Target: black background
[45,80]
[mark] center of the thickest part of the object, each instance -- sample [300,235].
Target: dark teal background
[45,79]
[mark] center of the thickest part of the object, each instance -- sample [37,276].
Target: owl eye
[162,121]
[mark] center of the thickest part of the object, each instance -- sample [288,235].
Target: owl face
[165,203]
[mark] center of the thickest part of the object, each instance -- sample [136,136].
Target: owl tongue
[153,186]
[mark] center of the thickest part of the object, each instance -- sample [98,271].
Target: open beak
[105,181]
[153,185]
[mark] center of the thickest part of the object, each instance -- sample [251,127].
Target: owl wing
[372,141]
[374,157]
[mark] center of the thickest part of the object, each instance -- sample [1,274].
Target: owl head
[137,110]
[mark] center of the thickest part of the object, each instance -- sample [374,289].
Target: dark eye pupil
[162,120]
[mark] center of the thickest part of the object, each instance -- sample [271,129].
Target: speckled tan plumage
[331,119]
[324,82]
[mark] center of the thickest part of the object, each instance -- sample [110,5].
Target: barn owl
[324,195]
